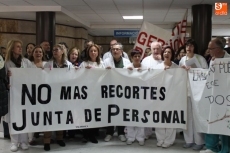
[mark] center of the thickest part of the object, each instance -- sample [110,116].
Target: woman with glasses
[59,60]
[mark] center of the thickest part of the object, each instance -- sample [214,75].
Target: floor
[114,146]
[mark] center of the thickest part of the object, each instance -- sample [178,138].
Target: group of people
[40,56]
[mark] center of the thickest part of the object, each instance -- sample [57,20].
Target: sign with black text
[211,98]
[60,99]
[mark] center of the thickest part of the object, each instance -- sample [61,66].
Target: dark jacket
[3,93]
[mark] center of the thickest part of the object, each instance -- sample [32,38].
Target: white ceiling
[101,17]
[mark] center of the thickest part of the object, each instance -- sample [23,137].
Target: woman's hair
[172,51]
[179,50]
[72,50]
[31,58]
[65,47]
[134,52]
[29,44]
[62,48]
[192,42]
[98,60]
[10,47]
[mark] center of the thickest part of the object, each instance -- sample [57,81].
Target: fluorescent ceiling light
[132,17]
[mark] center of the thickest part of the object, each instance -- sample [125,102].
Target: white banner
[59,99]
[149,33]
[211,97]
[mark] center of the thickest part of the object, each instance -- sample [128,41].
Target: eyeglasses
[55,50]
[113,49]
[213,48]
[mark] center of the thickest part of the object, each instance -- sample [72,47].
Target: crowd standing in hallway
[156,57]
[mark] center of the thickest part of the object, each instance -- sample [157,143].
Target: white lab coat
[109,62]
[150,63]
[92,64]
[50,64]
[17,138]
[133,132]
[165,135]
[190,135]
[109,55]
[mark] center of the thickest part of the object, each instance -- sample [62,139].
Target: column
[81,36]
[45,27]
[202,26]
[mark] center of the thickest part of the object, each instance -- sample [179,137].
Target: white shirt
[24,64]
[150,62]
[162,66]
[50,64]
[92,64]
[131,65]
[202,63]
[109,62]
[9,64]
[34,65]
[226,55]
[109,55]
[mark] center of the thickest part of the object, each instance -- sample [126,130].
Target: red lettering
[178,28]
[171,43]
[161,41]
[150,40]
[183,26]
[140,39]
[173,31]
[180,43]
[176,44]
[139,49]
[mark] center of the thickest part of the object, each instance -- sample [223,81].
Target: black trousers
[92,132]
[110,130]
[6,129]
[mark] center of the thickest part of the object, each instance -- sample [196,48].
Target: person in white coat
[166,136]
[14,59]
[116,61]
[108,54]
[155,58]
[151,62]
[59,60]
[215,142]
[192,59]
[37,59]
[133,132]
[92,60]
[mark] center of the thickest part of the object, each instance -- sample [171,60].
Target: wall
[105,41]
[17,29]
[73,36]
[26,32]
